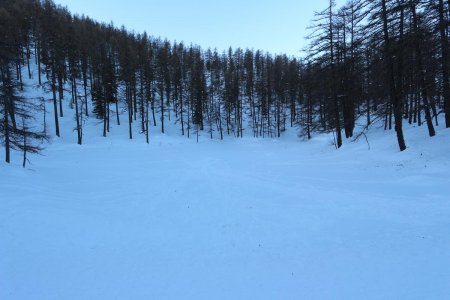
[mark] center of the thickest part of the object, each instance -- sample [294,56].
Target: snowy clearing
[238,219]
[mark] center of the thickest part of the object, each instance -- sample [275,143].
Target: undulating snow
[234,219]
[239,219]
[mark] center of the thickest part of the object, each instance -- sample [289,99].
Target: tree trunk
[6,125]
[147,106]
[130,110]
[55,105]
[77,113]
[60,94]
[181,110]
[445,62]
[333,83]
[24,144]
[396,101]
[422,72]
[161,96]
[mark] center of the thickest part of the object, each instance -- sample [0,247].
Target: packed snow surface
[238,219]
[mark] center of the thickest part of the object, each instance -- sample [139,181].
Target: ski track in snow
[238,219]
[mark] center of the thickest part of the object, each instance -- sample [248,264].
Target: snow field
[238,219]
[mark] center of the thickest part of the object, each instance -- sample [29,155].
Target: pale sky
[275,26]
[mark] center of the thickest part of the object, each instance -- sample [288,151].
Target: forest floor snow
[238,219]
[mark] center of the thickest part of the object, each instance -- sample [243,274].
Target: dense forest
[383,60]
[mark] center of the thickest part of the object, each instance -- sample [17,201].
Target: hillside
[237,219]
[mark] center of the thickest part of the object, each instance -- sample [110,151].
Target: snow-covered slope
[238,219]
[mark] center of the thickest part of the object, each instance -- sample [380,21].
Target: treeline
[147,81]
[380,59]
[385,59]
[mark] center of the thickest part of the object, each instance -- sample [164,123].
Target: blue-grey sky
[277,26]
